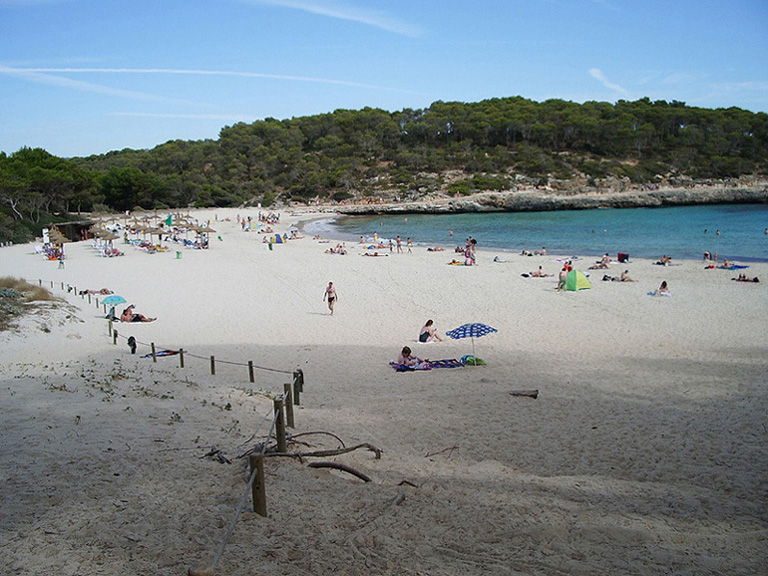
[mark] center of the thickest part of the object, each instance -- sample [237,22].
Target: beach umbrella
[113,300]
[473,330]
[57,237]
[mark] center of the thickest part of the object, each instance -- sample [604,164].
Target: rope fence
[182,353]
[283,418]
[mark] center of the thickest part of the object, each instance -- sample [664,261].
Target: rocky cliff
[543,200]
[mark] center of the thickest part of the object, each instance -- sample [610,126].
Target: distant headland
[534,200]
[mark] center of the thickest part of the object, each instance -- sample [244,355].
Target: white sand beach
[645,452]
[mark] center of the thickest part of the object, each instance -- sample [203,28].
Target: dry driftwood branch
[294,436]
[342,467]
[530,393]
[217,454]
[336,452]
[449,450]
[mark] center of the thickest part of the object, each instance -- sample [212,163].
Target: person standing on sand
[331,296]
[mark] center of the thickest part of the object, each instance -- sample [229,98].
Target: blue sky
[80,77]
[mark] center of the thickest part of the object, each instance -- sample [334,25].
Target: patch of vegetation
[15,296]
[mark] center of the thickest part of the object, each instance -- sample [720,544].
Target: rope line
[229,362]
[244,499]
[265,444]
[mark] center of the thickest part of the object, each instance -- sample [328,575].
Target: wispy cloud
[597,74]
[172,71]
[345,11]
[40,76]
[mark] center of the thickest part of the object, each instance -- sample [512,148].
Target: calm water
[681,232]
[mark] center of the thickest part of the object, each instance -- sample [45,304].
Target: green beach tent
[576,280]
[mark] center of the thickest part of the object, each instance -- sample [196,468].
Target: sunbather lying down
[129,315]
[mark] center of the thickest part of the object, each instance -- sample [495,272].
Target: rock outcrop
[542,200]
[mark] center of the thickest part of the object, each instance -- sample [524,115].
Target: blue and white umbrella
[474,330]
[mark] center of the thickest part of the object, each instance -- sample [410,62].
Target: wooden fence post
[298,386]
[250,371]
[154,357]
[114,337]
[258,489]
[282,445]
[213,366]
[181,357]
[288,405]
[109,321]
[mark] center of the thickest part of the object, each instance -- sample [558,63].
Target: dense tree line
[373,153]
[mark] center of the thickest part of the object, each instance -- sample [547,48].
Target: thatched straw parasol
[57,237]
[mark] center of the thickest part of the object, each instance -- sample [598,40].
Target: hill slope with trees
[449,149]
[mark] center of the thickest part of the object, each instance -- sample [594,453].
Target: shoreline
[324,224]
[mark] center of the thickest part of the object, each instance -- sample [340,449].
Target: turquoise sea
[734,231]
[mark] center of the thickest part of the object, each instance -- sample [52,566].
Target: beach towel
[733,267]
[405,368]
[449,363]
[160,353]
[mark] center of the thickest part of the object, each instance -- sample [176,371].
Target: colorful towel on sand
[406,368]
[450,363]
[159,353]
[427,365]
[733,267]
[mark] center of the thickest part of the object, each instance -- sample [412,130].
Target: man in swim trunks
[331,296]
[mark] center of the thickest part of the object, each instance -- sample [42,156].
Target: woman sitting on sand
[129,316]
[428,333]
[662,290]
